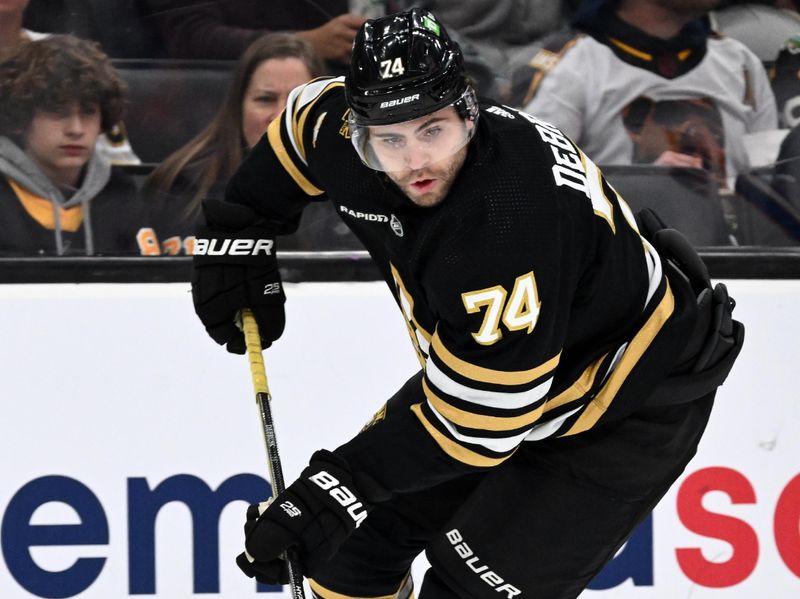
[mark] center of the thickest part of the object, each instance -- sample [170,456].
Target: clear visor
[412,145]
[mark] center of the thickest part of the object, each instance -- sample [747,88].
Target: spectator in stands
[761,25]
[647,81]
[219,29]
[786,84]
[268,70]
[58,195]
[496,35]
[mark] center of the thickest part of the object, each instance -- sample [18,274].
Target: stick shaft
[263,399]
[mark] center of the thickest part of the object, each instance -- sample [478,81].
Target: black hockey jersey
[534,305]
[27,221]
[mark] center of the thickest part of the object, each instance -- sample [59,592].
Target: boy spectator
[58,195]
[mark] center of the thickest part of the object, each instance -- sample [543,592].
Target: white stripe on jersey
[545,429]
[501,445]
[424,344]
[653,269]
[490,399]
[299,97]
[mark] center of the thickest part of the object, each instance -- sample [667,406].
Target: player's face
[423,156]
[62,141]
[266,94]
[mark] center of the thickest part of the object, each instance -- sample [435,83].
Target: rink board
[131,443]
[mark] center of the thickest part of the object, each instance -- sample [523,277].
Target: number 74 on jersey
[517,311]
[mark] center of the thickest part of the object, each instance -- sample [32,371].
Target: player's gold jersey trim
[633,353]
[274,136]
[488,375]
[480,421]
[298,124]
[579,388]
[325,593]
[453,449]
[286,134]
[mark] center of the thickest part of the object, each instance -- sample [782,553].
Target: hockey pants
[540,525]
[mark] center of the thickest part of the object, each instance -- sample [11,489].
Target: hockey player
[569,363]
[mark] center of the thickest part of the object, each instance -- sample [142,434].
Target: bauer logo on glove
[340,493]
[233,247]
[313,516]
[235,267]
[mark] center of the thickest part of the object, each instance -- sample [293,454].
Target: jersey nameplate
[568,169]
[574,169]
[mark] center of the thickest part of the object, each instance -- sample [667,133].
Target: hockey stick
[263,398]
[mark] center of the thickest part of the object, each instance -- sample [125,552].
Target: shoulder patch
[344,130]
[299,124]
[298,106]
[526,79]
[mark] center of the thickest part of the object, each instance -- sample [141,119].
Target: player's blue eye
[431,133]
[394,142]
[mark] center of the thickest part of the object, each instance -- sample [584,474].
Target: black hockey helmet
[404,66]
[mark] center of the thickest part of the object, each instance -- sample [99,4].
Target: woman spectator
[58,194]
[271,67]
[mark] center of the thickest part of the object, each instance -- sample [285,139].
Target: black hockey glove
[313,516]
[235,267]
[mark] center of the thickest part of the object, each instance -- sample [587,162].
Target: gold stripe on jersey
[601,205]
[274,136]
[631,50]
[633,353]
[579,388]
[399,280]
[325,593]
[488,375]
[481,421]
[452,448]
[298,124]
[407,307]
